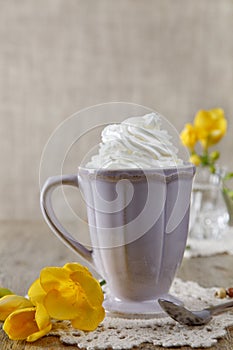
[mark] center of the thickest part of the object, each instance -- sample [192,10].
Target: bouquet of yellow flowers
[207,129]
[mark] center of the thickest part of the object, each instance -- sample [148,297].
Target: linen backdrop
[59,56]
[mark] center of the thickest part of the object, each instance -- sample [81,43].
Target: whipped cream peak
[137,142]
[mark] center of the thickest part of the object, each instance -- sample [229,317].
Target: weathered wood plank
[26,247]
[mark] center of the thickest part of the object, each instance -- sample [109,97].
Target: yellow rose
[195,159]
[211,126]
[188,136]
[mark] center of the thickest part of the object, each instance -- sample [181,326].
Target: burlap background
[58,56]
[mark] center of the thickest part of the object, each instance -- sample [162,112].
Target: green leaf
[228,192]
[228,176]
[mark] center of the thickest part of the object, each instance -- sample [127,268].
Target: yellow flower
[70,292]
[188,136]
[211,126]
[29,323]
[10,303]
[195,159]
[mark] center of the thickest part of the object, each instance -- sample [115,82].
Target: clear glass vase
[208,215]
[227,185]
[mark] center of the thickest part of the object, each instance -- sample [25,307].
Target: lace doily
[207,247]
[125,333]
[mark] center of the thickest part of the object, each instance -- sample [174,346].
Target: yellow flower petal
[90,286]
[71,267]
[53,277]
[35,336]
[20,324]
[195,159]
[89,318]
[211,126]
[10,303]
[188,136]
[202,120]
[62,308]
[41,316]
[36,293]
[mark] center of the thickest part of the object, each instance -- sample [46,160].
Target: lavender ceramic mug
[138,222]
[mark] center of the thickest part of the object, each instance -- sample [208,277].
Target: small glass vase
[208,216]
[227,192]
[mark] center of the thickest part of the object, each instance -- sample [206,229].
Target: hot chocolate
[137,194]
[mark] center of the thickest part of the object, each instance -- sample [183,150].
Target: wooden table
[26,247]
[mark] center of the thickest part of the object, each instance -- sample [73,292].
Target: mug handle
[47,210]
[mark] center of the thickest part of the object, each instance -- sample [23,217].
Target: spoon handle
[220,308]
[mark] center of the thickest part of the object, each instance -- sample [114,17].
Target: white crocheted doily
[125,333]
[208,247]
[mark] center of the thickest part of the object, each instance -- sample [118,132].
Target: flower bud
[214,155]
[5,291]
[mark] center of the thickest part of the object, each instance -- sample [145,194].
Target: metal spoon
[192,318]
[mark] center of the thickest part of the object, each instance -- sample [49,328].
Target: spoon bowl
[192,318]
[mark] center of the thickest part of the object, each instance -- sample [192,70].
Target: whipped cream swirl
[137,142]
